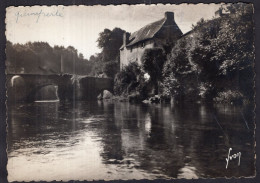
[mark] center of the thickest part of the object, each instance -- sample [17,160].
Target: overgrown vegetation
[214,62]
[131,83]
[179,73]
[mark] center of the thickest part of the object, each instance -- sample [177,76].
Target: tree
[219,53]
[110,42]
[179,73]
[152,62]
[40,57]
[237,48]
[224,50]
[81,57]
[111,68]
[108,60]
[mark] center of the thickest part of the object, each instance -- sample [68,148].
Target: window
[143,45]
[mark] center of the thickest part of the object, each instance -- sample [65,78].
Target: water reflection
[106,140]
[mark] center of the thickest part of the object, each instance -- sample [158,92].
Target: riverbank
[156,99]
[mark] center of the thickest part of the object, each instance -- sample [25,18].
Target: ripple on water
[122,141]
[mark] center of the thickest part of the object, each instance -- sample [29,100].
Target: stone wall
[135,53]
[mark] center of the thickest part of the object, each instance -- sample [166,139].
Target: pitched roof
[150,30]
[146,32]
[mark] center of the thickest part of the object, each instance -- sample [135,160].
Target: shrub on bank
[130,82]
[229,96]
[127,80]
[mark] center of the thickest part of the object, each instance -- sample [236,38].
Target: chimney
[169,15]
[126,38]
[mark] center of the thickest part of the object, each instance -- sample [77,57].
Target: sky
[79,26]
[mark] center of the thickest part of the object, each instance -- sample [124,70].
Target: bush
[229,96]
[206,91]
[127,80]
[179,74]
[131,81]
[111,68]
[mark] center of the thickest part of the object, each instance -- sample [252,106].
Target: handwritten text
[38,14]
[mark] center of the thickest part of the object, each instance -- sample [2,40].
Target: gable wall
[134,53]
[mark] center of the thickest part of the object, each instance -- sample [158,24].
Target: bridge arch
[28,85]
[16,88]
[47,91]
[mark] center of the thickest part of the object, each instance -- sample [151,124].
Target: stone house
[153,35]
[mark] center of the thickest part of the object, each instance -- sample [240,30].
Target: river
[118,140]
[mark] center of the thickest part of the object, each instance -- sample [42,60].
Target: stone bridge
[24,87]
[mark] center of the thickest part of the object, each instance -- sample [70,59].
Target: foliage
[111,68]
[152,63]
[229,96]
[130,80]
[179,72]
[110,42]
[219,55]
[40,57]
[107,61]
[97,65]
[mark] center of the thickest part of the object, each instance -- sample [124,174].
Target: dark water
[96,140]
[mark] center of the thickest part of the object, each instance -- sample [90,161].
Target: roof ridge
[147,26]
[146,32]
